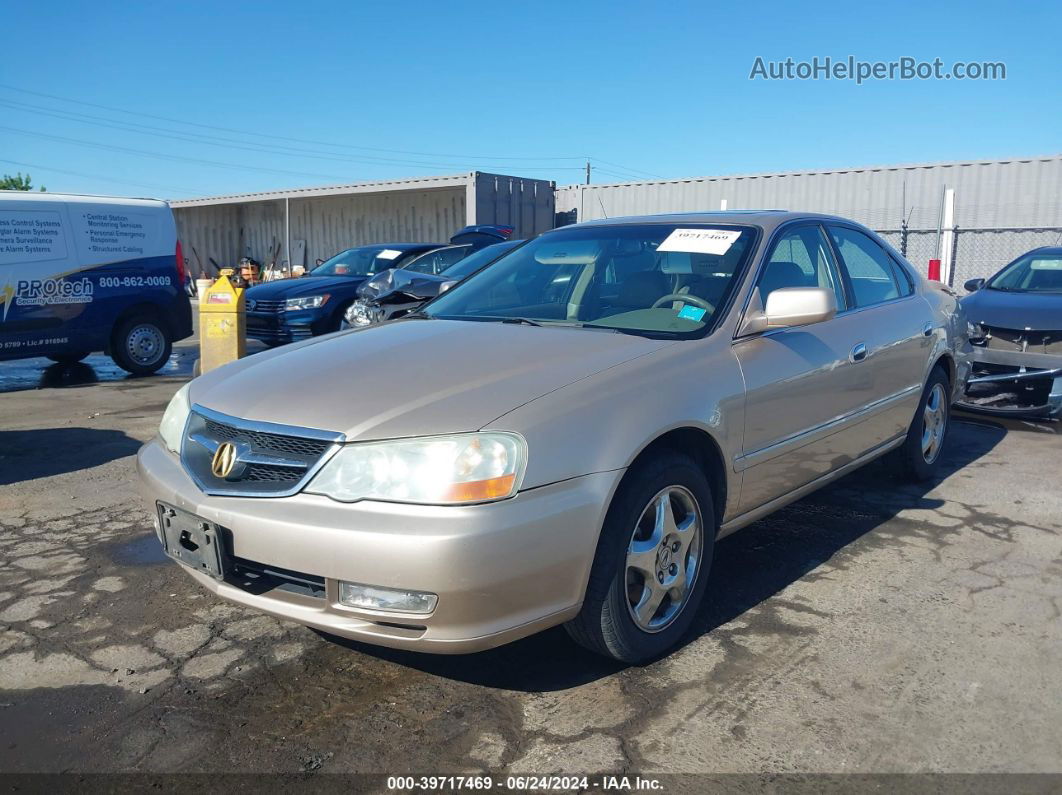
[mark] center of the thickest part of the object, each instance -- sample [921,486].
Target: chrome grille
[267,306]
[271,442]
[270,460]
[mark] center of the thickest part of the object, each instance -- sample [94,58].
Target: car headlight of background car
[360,314]
[171,429]
[305,302]
[432,470]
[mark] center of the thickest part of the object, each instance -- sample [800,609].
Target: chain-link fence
[976,253]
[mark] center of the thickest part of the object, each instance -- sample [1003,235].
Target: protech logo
[905,68]
[40,292]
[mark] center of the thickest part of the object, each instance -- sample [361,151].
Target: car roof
[398,246]
[768,219]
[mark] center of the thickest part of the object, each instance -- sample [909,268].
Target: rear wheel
[920,454]
[652,562]
[68,358]
[141,345]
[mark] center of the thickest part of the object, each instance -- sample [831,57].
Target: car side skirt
[755,514]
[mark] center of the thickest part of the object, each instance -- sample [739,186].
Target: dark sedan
[294,309]
[398,292]
[1016,320]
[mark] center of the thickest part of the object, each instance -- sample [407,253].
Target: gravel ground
[873,627]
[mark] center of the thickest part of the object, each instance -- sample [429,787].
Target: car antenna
[602,204]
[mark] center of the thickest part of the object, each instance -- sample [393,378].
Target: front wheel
[652,561]
[919,456]
[141,345]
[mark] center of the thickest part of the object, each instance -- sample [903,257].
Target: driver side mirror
[973,285]
[320,261]
[790,306]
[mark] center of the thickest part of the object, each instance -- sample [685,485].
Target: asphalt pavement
[873,627]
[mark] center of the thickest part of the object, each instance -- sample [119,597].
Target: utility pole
[588,172]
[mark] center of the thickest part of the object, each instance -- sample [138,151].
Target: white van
[80,274]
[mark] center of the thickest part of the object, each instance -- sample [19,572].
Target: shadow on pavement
[39,373]
[749,568]
[43,452]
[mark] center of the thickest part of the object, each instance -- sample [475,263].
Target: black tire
[919,457]
[141,344]
[605,624]
[68,358]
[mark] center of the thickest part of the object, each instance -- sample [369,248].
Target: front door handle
[859,353]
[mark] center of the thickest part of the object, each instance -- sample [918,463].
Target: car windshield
[653,279]
[361,261]
[1035,272]
[473,262]
[435,262]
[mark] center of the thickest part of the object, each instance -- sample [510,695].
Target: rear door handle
[859,353]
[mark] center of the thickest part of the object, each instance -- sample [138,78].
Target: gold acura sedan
[562,437]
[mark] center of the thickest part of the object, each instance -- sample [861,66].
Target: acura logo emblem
[224,460]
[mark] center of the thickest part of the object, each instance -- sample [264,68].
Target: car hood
[307,285]
[1033,311]
[412,377]
[417,285]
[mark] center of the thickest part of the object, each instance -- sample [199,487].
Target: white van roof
[28,195]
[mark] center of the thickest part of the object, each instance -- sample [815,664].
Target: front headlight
[171,429]
[974,331]
[432,470]
[358,314]
[305,302]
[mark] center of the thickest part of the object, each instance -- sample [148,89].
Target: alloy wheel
[934,423]
[663,558]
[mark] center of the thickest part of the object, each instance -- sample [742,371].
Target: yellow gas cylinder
[221,323]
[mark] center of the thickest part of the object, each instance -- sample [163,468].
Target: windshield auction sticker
[700,241]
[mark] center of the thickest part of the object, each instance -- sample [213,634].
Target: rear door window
[871,272]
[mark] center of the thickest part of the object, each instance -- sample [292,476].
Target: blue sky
[352,90]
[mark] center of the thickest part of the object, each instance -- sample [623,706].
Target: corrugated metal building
[320,222]
[1001,207]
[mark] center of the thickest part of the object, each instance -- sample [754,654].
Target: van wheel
[68,358]
[919,457]
[141,345]
[651,567]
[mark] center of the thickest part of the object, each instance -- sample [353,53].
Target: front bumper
[502,570]
[1014,383]
[281,328]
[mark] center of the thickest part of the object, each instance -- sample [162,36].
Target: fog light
[372,597]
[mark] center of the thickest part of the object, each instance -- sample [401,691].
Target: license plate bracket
[193,541]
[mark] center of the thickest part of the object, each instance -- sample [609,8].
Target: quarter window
[872,273]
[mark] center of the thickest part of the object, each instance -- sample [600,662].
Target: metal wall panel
[329,224]
[526,204]
[330,220]
[1019,192]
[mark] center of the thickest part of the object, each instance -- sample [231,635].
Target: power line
[246,146]
[161,156]
[97,176]
[630,170]
[268,135]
